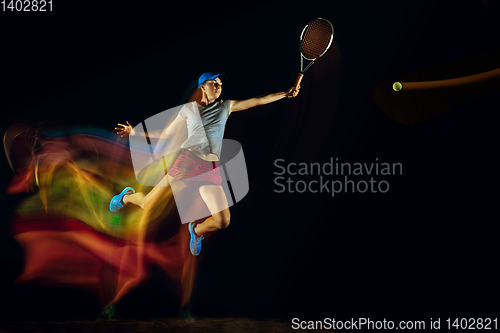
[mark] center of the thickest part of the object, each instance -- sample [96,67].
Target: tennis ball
[397,86]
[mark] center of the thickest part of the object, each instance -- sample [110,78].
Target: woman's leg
[153,204]
[216,201]
[135,198]
[140,199]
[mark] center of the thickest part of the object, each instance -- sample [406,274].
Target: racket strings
[316,38]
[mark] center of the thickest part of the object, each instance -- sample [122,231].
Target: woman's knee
[222,219]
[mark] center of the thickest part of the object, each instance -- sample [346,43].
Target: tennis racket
[315,40]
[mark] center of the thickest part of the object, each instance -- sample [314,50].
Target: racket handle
[299,79]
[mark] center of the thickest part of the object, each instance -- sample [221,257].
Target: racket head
[316,38]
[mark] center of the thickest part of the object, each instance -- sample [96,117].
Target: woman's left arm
[261,100]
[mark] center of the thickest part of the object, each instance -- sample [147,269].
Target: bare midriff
[207,157]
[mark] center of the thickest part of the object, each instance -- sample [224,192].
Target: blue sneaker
[117,201]
[195,243]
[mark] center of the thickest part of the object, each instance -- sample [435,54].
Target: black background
[427,248]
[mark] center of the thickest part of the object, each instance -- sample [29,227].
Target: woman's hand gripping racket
[315,40]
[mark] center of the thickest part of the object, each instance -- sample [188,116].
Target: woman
[199,163]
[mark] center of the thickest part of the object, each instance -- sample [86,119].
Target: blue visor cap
[209,76]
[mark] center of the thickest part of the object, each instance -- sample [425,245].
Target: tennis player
[205,119]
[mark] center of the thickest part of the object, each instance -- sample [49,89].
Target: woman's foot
[195,243]
[117,201]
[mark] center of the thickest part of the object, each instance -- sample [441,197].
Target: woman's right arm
[127,130]
[171,130]
[124,130]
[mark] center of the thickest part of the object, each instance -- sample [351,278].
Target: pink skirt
[190,167]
